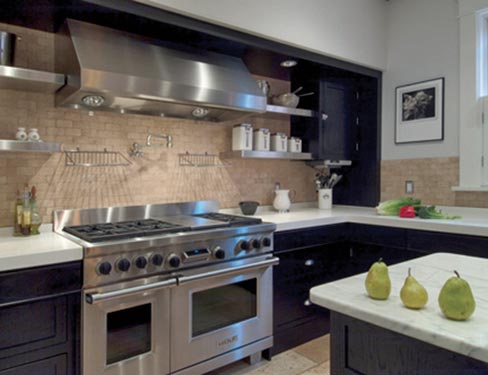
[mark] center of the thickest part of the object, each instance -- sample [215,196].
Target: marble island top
[348,296]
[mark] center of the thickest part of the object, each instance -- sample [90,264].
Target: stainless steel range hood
[112,70]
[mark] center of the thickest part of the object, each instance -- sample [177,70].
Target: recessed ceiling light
[288,63]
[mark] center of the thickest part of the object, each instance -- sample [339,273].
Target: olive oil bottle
[36,219]
[18,211]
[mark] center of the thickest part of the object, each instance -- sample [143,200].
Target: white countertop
[348,296]
[474,221]
[39,250]
[50,248]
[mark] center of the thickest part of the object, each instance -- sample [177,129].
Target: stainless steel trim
[99,297]
[225,359]
[64,218]
[23,146]
[14,78]
[290,111]
[266,155]
[228,271]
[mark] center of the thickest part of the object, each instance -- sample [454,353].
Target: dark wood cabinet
[40,320]
[360,348]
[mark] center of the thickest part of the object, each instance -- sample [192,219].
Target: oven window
[128,333]
[222,306]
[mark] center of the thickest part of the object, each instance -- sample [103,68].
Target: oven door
[217,309]
[126,328]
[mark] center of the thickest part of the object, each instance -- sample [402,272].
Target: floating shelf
[290,111]
[14,78]
[266,155]
[23,146]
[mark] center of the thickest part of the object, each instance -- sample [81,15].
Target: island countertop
[348,296]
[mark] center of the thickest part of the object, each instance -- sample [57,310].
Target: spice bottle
[26,212]
[18,210]
[36,219]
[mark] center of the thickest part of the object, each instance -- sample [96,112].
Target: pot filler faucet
[136,150]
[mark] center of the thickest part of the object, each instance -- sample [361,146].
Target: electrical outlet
[409,187]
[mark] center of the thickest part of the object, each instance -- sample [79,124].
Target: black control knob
[218,252]
[174,260]
[245,245]
[141,262]
[104,268]
[256,243]
[123,265]
[157,259]
[266,241]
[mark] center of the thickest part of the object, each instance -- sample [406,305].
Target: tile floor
[311,358]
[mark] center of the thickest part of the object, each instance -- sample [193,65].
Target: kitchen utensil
[242,137]
[307,94]
[338,178]
[261,138]
[248,207]
[264,86]
[297,90]
[7,43]
[287,100]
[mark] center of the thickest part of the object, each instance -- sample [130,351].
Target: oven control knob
[123,265]
[141,262]
[256,243]
[266,241]
[104,268]
[244,245]
[157,259]
[174,260]
[218,252]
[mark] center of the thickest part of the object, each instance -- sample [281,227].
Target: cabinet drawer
[302,238]
[50,366]
[33,325]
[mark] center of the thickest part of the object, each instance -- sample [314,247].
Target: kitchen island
[383,337]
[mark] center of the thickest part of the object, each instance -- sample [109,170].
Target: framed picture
[420,112]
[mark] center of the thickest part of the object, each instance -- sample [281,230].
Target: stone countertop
[348,296]
[474,221]
[39,250]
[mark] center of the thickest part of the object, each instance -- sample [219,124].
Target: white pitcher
[282,202]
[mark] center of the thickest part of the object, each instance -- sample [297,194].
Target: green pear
[413,294]
[456,299]
[378,284]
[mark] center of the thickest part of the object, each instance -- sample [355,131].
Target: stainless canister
[7,43]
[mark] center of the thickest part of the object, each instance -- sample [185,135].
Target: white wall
[351,30]
[422,43]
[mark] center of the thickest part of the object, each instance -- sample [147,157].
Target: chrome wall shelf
[290,111]
[199,160]
[23,146]
[13,78]
[78,158]
[266,155]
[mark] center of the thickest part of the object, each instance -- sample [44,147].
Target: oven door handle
[227,271]
[93,298]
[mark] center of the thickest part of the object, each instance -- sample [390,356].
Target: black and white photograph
[419,112]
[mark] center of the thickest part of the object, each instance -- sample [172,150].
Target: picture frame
[419,115]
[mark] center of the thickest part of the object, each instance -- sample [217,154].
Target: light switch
[409,187]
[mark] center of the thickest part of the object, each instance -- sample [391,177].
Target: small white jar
[294,144]
[242,137]
[33,135]
[261,138]
[21,135]
[279,142]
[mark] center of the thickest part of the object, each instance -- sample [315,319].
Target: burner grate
[232,220]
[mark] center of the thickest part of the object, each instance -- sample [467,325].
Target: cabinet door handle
[325,116]
[309,262]
[307,303]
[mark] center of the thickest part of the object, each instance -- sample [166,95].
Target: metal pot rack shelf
[14,78]
[24,146]
[245,154]
[78,158]
[199,160]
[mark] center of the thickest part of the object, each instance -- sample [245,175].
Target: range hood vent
[112,70]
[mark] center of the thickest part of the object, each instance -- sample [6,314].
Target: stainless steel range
[171,288]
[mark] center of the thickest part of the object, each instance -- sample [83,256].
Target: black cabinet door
[50,366]
[337,126]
